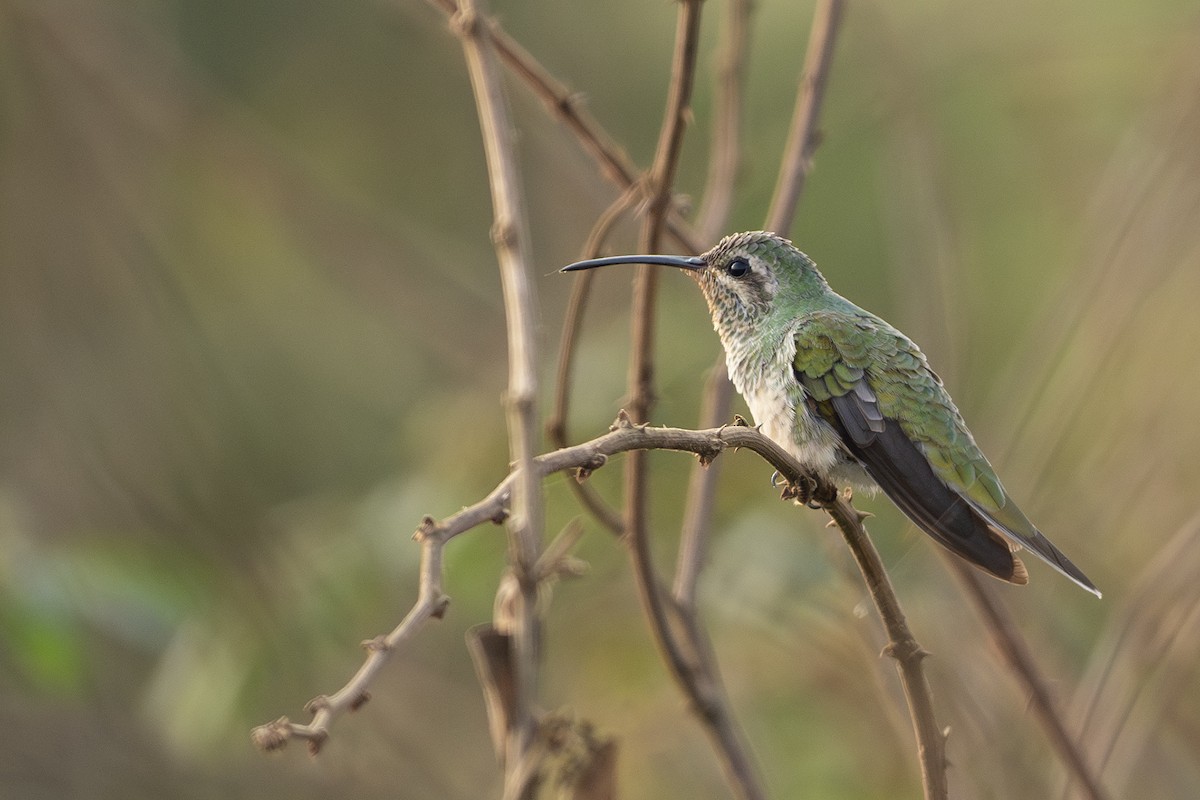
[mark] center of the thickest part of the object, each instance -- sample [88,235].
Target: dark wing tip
[905,475]
[1044,549]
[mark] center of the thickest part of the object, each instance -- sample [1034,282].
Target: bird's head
[744,277]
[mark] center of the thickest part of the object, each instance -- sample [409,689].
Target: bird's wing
[874,387]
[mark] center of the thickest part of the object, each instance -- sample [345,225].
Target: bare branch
[511,238]
[902,646]
[556,426]
[567,107]
[592,455]
[431,600]
[660,182]
[719,391]
[670,138]
[645,285]
[802,138]
[676,630]
[724,155]
[641,363]
[431,604]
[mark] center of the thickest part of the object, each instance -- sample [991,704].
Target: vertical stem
[792,173]
[697,519]
[802,138]
[725,153]
[564,104]
[641,364]
[675,629]
[511,239]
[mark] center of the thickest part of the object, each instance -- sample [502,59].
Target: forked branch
[495,507]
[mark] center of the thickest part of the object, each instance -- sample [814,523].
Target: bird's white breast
[764,377]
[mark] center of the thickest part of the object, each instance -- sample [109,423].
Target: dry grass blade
[1020,661]
[1145,644]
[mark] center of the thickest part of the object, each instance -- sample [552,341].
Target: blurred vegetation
[250,331]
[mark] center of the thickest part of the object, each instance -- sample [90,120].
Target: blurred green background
[251,331]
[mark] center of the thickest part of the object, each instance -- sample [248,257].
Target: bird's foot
[808,491]
[825,494]
[801,492]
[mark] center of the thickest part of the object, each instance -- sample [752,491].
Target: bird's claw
[807,491]
[801,491]
[823,494]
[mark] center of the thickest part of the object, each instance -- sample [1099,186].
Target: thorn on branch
[623,420]
[315,742]
[465,23]
[707,456]
[584,471]
[318,703]
[439,607]
[428,527]
[376,645]
[568,102]
[272,736]
[504,233]
[905,651]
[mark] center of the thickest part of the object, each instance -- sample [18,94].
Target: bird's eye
[738,267]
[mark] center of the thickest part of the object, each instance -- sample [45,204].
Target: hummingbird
[854,400]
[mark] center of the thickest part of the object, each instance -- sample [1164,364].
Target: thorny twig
[902,646]
[718,391]
[433,535]
[676,630]
[511,238]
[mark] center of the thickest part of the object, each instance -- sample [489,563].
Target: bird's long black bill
[682,262]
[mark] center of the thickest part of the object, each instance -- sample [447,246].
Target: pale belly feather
[776,401]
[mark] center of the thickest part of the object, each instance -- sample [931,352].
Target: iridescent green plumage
[855,400]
